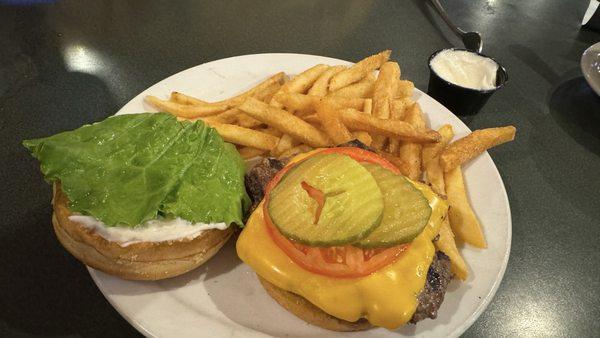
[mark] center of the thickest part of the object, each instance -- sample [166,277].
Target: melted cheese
[387,298]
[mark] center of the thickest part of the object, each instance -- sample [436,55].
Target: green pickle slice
[353,202]
[405,212]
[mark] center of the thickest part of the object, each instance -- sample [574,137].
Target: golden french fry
[358,70]
[301,82]
[246,121]
[228,117]
[368,106]
[463,221]
[249,152]
[405,89]
[296,103]
[399,107]
[312,119]
[276,79]
[187,111]
[266,94]
[383,92]
[363,137]
[363,89]
[434,175]
[446,244]
[286,142]
[285,122]
[398,110]
[397,162]
[245,137]
[306,104]
[271,131]
[261,91]
[356,120]
[347,102]
[410,152]
[433,150]
[466,148]
[185,99]
[328,113]
[321,86]
[303,148]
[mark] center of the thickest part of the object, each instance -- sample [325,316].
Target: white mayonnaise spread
[156,230]
[465,69]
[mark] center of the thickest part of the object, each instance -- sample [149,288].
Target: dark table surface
[68,63]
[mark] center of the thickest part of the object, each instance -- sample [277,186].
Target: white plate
[224,298]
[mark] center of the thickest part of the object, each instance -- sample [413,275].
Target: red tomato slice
[338,261]
[362,155]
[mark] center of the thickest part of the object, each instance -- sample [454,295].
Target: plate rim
[466,324]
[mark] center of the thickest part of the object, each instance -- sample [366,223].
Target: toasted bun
[308,312]
[138,261]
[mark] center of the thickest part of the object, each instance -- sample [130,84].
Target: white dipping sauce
[157,230]
[465,69]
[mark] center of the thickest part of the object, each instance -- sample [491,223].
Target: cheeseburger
[342,240]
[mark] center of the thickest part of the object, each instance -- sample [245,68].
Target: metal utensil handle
[436,4]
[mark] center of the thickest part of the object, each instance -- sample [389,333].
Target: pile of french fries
[329,105]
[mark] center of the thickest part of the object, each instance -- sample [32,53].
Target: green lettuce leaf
[129,169]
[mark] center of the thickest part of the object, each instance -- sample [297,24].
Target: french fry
[410,152]
[312,119]
[468,147]
[246,121]
[228,117]
[433,150]
[358,70]
[286,142]
[276,79]
[463,221]
[187,111]
[397,162]
[398,110]
[405,89]
[368,107]
[261,91]
[434,175]
[363,89]
[356,120]
[328,113]
[446,244]
[347,102]
[298,104]
[321,86]
[271,131]
[306,104]
[285,122]
[299,149]
[249,152]
[363,137]
[266,94]
[301,82]
[185,99]
[245,137]
[383,92]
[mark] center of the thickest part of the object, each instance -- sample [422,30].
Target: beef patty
[438,276]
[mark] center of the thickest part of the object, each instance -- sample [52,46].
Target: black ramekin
[461,100]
